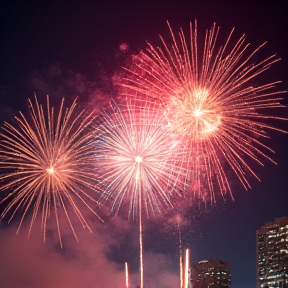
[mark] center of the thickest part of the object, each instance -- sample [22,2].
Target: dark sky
[46,42]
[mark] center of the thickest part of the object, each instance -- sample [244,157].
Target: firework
[136,153]
[141,166]
[46,165]
[212,102]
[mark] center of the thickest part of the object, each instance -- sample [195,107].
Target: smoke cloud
[96,261]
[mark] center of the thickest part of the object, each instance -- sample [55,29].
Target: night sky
[70,48]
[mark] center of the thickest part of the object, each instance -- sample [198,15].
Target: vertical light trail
[126,275]
[181,270]
[186,278]
[138,160]
[181,257]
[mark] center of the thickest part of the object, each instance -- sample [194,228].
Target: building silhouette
[272,254]
[212,273]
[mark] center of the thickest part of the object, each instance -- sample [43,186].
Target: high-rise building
[212,273]
[272,254]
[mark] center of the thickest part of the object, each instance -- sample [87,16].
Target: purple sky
[56,49]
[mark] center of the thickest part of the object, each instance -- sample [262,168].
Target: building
[212,273]
[272,254]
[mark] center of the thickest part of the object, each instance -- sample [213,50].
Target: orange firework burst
[212,102]
[138,159]
[46,165]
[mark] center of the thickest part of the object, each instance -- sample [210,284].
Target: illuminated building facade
[212,273]
[272,254]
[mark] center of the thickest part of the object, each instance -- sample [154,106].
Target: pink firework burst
[212,102]
[138,159]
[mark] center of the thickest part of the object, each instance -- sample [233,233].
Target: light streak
[213,103]
[126,275]
[178,219]
[184,274]
[46,164]
[181,270]
[138,160]
[187,263]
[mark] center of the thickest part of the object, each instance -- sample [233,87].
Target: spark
[138,159]
[50,170]
[213,103]
[47,164]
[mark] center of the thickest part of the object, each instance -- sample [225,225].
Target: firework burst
[212,102]
[137,156]
[140,164]
[46,165]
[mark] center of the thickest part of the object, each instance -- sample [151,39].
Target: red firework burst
[211,102]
